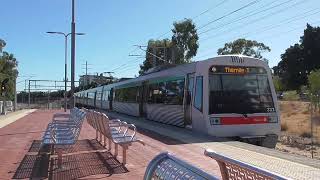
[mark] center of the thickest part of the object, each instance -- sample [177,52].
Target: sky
[113,27]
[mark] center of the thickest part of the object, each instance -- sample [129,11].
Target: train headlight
[272,119]
[214,121]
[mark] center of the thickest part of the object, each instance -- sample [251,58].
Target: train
[225,96]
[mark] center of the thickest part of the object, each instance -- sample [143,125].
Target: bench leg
[104,141]
[115,150]
[223,170]
[110,145]
[100,138]
[97,135]
[59,152]
[124,155]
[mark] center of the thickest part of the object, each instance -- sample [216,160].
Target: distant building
[99,79]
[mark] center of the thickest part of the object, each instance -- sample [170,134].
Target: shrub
[290,96]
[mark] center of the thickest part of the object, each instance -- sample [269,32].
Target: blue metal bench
[167,167]
[233,169]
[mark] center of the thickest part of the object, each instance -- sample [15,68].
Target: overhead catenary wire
[247,15]
[269,36]
[283,22]
[197,16]
[254,20]
[228,14]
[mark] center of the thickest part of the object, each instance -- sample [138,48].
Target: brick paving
[87,159]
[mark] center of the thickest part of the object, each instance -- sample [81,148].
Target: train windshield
[239,93]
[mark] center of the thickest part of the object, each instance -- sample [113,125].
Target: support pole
[15,95]
[73,49]
[65,73]
[29,95]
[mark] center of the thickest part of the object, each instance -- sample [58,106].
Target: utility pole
[86,72]
[29,95]
[73,51]
[86,68]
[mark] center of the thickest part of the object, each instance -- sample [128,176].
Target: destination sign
[237,70]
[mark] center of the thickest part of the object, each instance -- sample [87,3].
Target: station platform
[287,165]
[88,159]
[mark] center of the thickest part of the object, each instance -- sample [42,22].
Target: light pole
[65,63]
[73,52]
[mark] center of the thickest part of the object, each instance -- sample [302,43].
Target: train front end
[241,100]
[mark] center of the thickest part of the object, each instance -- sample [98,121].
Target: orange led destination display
[237,70]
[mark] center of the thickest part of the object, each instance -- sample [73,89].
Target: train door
[143,95]
[188,96]
[95,99]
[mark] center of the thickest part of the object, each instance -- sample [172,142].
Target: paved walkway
[20,144]
[13,116]
[295,167]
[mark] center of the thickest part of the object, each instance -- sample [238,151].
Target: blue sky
[113,27]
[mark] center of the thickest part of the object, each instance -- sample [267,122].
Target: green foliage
[185,41]
[291,96]
[8,65]
[300,59]
[314,84]
[314,81]
[180,49]
[2,44]
[277,84]
[160,48]
[245,47]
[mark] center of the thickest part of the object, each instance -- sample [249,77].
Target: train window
[127,94]
[169,92]
[105,96]
[249,93]
[199,93]
[98,96]
[91,95]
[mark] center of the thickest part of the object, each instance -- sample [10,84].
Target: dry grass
[295,119]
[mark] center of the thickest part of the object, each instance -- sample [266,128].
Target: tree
[2,44]
[245,47]
[185,41]
[300,59]
[180,49]
[8,64]
[156,49]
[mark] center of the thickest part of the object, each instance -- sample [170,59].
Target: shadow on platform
[86,164]
[81,164]
[32,167]
[81,145]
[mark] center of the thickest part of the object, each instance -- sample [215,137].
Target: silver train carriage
[225,96]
